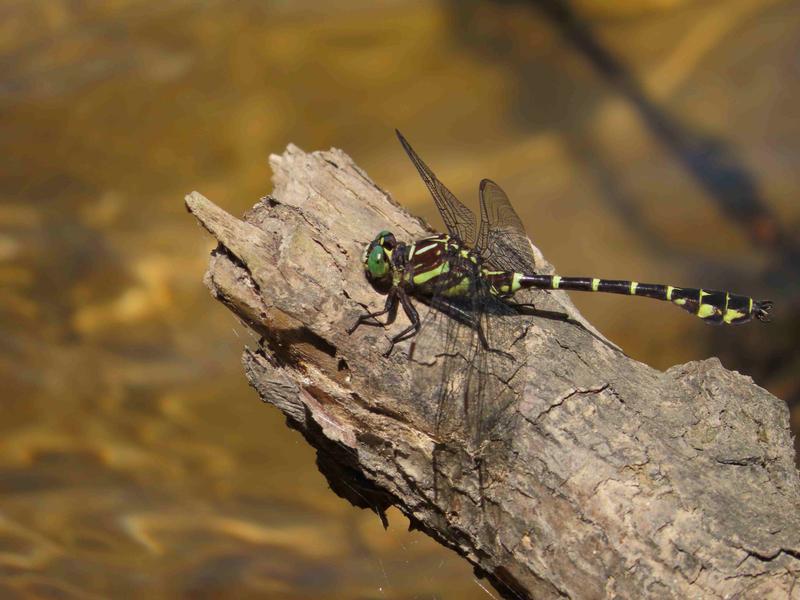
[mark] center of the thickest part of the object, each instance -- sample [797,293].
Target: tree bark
[603,478]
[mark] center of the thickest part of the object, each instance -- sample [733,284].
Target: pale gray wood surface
[604,478]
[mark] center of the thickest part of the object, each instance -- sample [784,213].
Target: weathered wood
[608,479]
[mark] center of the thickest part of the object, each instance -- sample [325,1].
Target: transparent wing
[460,220]
[470,397]
[502,240]
[468,392]
[473,396]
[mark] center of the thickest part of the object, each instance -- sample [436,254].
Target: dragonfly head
[377,257]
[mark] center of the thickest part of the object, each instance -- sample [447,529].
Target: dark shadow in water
[710,160]
[715,167]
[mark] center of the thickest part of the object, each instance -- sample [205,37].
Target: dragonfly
[469,276]
[475,270]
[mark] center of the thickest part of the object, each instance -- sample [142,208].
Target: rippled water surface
[660,143]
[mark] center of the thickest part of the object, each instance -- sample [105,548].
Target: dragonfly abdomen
[713,306]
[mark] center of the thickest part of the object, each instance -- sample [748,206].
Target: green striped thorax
[377,257]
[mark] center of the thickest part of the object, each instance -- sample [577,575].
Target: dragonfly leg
[412,315]
[485,343]
[371,319]
[519,305]
[470,320]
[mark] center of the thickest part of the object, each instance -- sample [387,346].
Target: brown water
[660,143]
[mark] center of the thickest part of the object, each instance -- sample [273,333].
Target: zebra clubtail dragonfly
[469,276]
[471,270]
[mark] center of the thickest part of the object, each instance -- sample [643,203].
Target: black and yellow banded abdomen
[710,305]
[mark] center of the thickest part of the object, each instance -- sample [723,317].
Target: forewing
[502,240]
[460,220]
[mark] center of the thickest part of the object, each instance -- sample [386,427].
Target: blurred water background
[657,140]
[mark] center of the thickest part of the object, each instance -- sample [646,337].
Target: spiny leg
[519,305]
[389,307]
[470,320]
[412,315]
[485,342]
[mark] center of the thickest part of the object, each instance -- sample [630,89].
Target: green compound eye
[376,263]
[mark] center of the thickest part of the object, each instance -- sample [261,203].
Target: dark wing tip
[762,309]
[406,146]
[485,182]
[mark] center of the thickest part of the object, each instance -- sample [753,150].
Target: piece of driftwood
[605,478]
